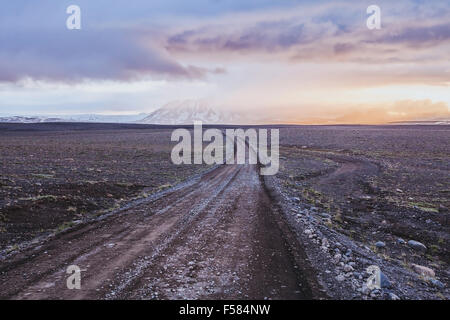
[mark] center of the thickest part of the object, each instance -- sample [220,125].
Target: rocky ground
[109,200]
[361,196]
[214,236]
[54,174]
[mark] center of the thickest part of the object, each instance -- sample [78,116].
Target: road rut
[218,237]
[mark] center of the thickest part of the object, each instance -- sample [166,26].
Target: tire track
[215,237]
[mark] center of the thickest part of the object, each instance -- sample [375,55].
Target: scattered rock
[385,283]
[375,293]
[380,244]
[393,296]
[348,268]
[425,271]
[337,257]
[443,209]
[416,245]
[340,278]
[438,284]
[401,241]
[365,290]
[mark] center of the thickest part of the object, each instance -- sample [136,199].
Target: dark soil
[52,174]
[107,198]
[376,184]
[214,236]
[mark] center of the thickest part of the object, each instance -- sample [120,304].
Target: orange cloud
[405,110]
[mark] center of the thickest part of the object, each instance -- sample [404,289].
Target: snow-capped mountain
[183,112]
[434,121]
[31,119]
[97,118]
[127,118]
[188,111]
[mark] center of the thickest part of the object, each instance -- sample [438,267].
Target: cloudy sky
[294,61]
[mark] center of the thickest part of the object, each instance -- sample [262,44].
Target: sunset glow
[299,61]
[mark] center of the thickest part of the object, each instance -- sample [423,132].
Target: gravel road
[219,236]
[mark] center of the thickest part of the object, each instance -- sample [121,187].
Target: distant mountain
[31,119]
[173,113]
[98,118]
[188,111]
[438,121]
[128,118]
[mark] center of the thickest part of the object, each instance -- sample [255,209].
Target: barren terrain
[54,174]
[108,199]
[216,235]
[379,188]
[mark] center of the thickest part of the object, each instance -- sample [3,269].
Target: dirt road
[218,236]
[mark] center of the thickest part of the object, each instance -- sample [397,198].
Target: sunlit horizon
[297,62]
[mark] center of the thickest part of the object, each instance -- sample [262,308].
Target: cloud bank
[279,54]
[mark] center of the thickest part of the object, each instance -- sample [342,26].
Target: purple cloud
[319,40]
[265,36]
[78,55]
[418,36]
